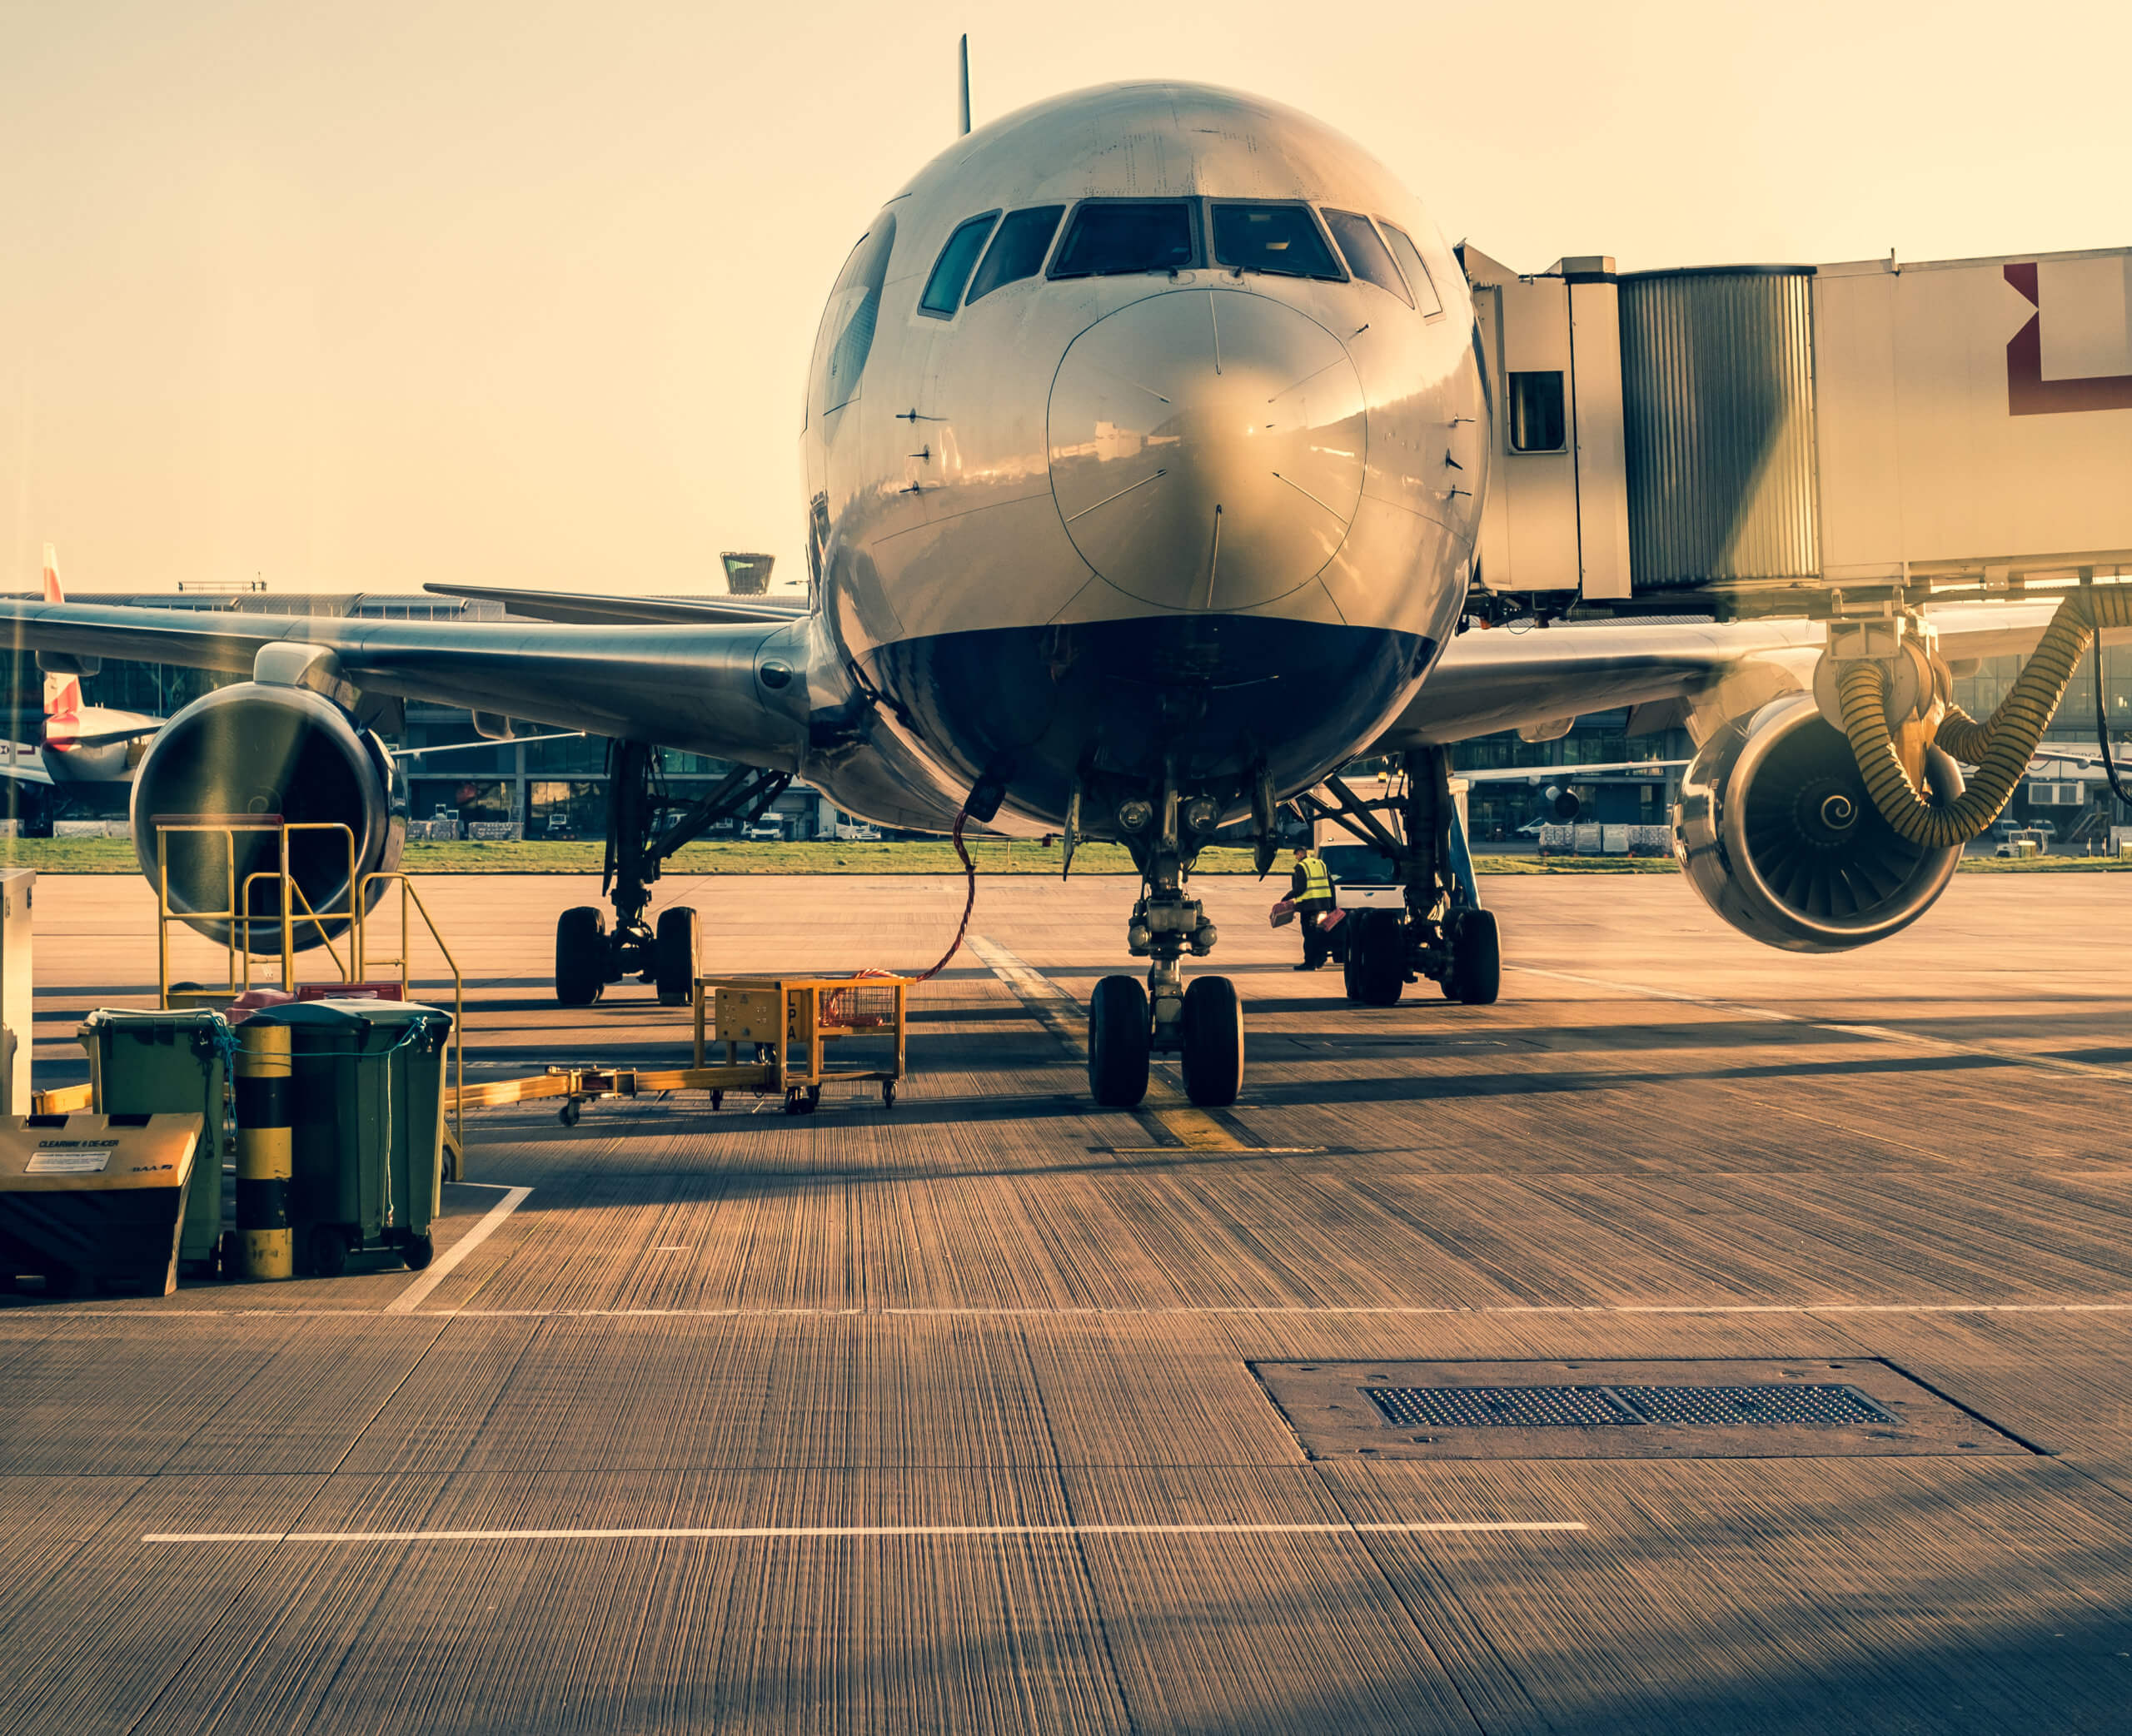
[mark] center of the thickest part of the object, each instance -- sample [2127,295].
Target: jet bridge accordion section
[1754,428]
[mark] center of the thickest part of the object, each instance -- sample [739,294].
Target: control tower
[747,576]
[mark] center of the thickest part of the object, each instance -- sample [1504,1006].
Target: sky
[358,297]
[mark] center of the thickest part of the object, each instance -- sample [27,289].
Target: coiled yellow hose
[2000,749]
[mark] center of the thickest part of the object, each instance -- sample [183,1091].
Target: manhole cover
[1500,1407]
[1715,1409]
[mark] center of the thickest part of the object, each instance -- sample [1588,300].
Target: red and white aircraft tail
[62,693]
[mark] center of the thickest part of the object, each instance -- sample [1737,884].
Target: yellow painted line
[1167,1106]
[791,1534]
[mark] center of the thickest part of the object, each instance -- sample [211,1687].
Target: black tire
[327,1246]
[674,956]
[571,1110]
[418,1251]
[1476,975]
[580,955]
[1117,1042]
[1376,956]
[1213,1031]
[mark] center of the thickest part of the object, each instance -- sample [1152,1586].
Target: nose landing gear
[1201,1025]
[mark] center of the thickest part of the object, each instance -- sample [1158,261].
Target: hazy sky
[360,296]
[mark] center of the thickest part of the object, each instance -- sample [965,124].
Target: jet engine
[1777,832]
[247,751]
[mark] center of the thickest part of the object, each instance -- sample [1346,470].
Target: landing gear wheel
[418,1251]
[674,956]
[1376,959]
[328,1247]
[1476,975]
[1213,1031]
[1117,1042]
[580,955]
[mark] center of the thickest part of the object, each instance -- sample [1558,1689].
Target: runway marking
[1164,1105]
[1876,1033]
[791,1534]
[406,1301]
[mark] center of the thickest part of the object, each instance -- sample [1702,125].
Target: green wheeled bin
[366,1118]
[171,1063]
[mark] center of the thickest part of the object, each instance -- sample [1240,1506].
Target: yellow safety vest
[1317,879]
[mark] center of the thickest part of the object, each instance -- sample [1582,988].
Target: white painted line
[60,1314]
[406,1301]
[1871,1034]
[785,1534]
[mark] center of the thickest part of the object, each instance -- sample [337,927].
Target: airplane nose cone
[1207,447]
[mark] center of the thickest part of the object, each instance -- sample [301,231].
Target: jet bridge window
[944,289]
[1115,237]
[1018,251]
[1368,256]
[1277,238]
[1417,274]
[1537,422]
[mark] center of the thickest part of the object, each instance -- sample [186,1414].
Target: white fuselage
[1200,521]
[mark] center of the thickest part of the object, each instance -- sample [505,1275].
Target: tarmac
[996,1412]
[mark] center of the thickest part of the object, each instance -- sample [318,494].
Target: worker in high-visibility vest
[1310,889]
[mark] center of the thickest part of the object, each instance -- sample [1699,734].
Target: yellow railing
[455,1136]
[242,923]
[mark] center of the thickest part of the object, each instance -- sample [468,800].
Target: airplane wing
[1504,679]
[691,687]
[20,762]
[579,606]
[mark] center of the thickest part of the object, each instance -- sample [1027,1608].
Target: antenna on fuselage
[963,56]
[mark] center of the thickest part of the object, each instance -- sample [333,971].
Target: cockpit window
[944,289]
[1113,237]
[854,308]
[1366,252]
[1417,274]
[1018,251]
[1272,238]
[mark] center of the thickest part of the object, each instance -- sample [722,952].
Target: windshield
[1111,238]
[1367,256]
[1279,238]
[944,289]
[1018,251]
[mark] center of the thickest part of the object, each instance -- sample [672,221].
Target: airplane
[1144,445]
[83,743]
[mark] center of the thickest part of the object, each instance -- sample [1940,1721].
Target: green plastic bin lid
[146,1020]
[351,1013]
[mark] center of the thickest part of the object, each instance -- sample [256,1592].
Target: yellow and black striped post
[265,1158]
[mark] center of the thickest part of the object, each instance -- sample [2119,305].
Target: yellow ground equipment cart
[777,1032]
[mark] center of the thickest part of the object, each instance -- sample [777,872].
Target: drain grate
[1768,1407]
[1501,1407]
[1786,1406]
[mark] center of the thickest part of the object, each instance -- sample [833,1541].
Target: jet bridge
[1781,439]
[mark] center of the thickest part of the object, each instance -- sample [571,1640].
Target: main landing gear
[644,826]
[1201,1024]
[1441,933]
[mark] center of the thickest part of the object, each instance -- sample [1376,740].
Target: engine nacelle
[1775,830]
[251,750]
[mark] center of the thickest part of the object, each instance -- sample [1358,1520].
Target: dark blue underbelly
[1112,700]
